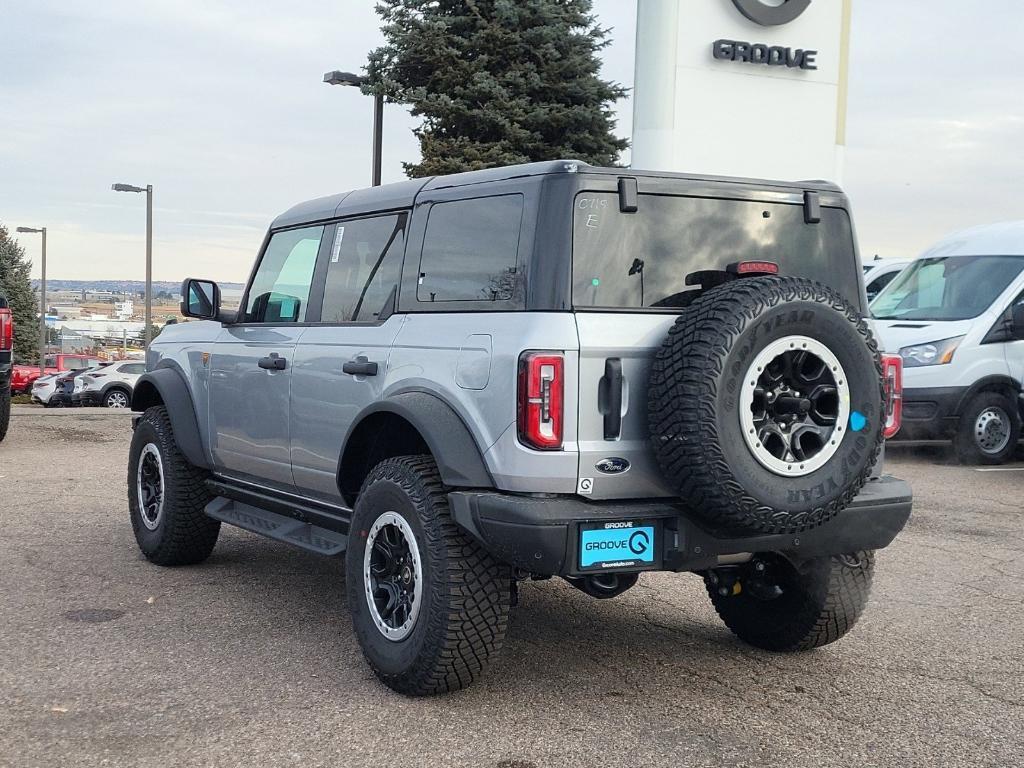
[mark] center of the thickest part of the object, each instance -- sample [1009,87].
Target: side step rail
[306,536]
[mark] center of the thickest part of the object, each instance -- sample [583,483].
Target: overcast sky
[219,105]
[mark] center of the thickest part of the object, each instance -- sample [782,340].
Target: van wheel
[774,605]
[988,431]
[430,607]
[167,496]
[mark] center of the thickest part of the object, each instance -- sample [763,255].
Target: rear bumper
[930,413]
[541,534]
[86,398]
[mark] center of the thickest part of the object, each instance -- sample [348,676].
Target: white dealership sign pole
[742,87]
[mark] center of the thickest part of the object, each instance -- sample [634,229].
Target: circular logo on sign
[766,15]
[639,542]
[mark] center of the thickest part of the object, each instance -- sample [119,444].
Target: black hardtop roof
[403,194]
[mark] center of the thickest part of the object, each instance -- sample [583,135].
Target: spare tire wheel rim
[794,406]
[392,576]
[992,430]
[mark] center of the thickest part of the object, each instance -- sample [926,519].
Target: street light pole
[149,264]
[337,77]
[42,299]
[148,189]
[378,121]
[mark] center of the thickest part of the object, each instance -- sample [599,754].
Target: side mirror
[200,299]
[1017,320]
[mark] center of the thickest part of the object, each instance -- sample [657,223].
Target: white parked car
[111,386]
[879,273]
[44,387]
[956,317]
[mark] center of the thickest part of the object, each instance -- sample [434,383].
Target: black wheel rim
[393,576]
[150,486]
[794,407]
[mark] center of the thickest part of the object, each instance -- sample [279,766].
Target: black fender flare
[994,382]
[168,386]
[456,453]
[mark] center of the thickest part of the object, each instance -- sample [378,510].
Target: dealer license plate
[618,544]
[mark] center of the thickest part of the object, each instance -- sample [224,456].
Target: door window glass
[470,250]
[364,268]
[280,289]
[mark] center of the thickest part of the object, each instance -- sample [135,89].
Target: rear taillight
[541,402]
[892,381]
[6,329]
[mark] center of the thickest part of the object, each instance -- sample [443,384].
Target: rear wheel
[116,398]
[167,496]
[430,608]
[772,604]
[988,431]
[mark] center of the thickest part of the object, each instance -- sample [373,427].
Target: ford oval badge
[613,465]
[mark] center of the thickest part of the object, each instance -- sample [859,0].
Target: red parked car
[22,376]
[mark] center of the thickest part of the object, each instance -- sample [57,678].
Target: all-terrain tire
[968,443]
[179,532]
[466,593]
[5,411]
[694,405]
[819,604]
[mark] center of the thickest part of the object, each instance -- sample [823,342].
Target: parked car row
[109,385]
[24,376]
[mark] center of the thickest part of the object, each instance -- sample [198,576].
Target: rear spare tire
[765,405]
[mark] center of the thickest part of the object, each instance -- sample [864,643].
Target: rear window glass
[637,260]
[470,250]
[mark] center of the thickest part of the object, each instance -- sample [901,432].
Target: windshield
[638,260]
[946,288]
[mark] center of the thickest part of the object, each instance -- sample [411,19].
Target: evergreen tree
[497,82]
[16,286]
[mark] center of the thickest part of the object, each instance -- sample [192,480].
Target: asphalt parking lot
[250,660]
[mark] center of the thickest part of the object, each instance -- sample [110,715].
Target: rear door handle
[360,366]
[610,397]
[273,362]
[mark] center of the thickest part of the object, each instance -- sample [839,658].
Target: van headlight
[930,353]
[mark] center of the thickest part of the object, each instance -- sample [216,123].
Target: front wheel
[167,496]
[988,431]
[772,604]
[429,607]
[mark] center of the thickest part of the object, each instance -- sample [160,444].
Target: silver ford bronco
[464,382]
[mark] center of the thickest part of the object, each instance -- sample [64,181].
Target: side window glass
[470,250]
[364,268]
[280,289]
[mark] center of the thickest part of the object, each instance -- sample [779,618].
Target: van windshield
[638,260]
[946,288]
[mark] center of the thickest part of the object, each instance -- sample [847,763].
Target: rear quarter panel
[470,361]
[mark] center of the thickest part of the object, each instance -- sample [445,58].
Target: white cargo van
[956,317]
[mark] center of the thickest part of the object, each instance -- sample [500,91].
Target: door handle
[610,397]
[360,366]
[273,362]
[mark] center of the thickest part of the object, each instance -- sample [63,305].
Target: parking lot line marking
[999,469]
